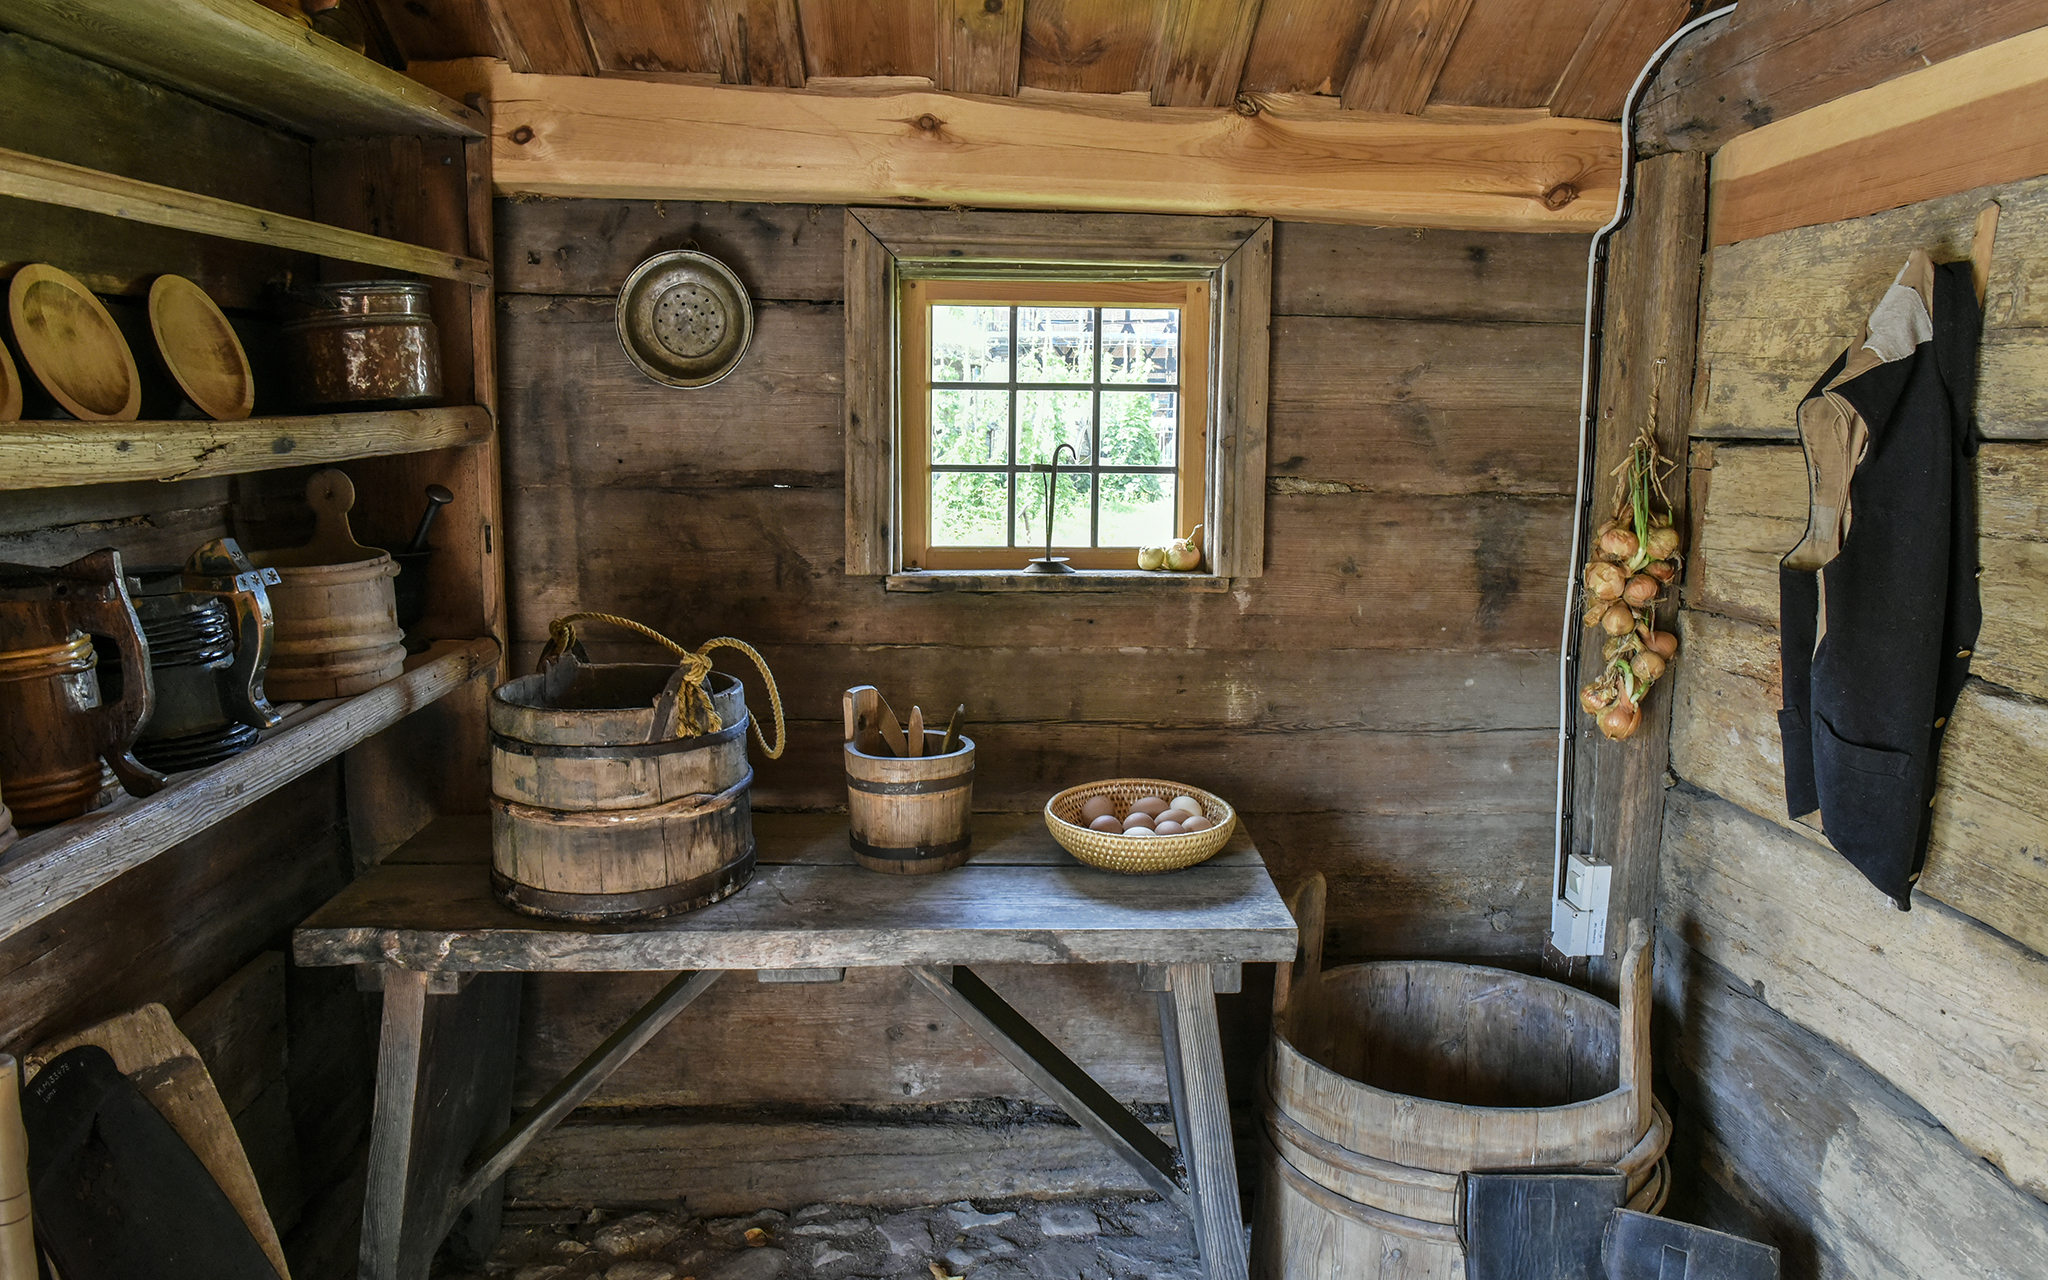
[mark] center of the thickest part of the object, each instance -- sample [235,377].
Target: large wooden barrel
[600,811]
[1387,1080]
[911,815]
[336,630]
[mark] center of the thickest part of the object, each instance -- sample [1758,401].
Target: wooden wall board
[1090,46]
[1510,54]
[1321,269]
[1304,46]
[634,35]
[1803,1147]
[724,1165]
[1392,405]
[238,1029]
[1401,54]
[576,135]
[1201,52]
[1624,34]
[546,37]
[1778,309]
[432,30]
[1343,570]
[1983,855]
[165,535]
[1756,512]
[1775,58]
[1941,129]
[782,253]
[1953,1014]
[980,47]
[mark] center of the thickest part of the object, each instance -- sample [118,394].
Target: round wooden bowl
[200,349]
[73,346]
[1139,855]
[10,387]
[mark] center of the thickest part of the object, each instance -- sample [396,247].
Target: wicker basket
[1137,854]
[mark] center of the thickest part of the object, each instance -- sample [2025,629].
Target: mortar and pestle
[336,612]
[412,560]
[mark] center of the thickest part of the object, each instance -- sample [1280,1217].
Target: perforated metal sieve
[684,318]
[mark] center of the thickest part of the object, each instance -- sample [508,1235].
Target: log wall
[1860,1086]
[1380,703]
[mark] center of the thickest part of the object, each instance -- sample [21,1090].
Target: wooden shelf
[48,870]
[238,55]
[73,186]
[52,454]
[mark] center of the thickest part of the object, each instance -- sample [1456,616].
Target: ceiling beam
[576,135]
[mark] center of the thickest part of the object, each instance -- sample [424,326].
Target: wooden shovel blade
[952,742]
[914,732]
[892,729]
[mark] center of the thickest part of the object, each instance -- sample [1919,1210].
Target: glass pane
[1069,518]
[1055,344]
[971,427]
[1140,346]
[1137,511]
[1049,419]
[1140,428]
[970,509]
[970,344]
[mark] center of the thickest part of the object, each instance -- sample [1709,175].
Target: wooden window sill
[981,582]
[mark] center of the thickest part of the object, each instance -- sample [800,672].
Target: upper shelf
[239,55]
[52,454]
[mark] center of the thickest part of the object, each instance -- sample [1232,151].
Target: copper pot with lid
[364,344]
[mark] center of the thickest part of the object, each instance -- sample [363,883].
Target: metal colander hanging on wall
[685,318]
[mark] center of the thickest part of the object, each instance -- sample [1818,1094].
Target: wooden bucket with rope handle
[619,790]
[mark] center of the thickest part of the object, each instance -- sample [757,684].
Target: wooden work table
[425,926]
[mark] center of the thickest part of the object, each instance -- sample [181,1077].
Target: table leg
[1201,1116]
[444,1079]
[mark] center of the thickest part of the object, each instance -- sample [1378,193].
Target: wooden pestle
[17,1231]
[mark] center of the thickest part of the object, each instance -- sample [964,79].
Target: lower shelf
[50,869]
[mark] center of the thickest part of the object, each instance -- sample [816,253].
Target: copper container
[60,721]
[368,344]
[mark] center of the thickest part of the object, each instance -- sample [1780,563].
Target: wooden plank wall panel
[640,35]
[1775,58]
[1954,1014]
[980,46]
[1402,53]
[1784,1138]
[1512,54]
[1401,636]
[1202,48]
[1304,46]
[1781,307]
[1612,54]
[856,38]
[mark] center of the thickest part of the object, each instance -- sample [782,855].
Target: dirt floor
[1101,1238]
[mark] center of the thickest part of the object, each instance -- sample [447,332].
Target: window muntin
[997,374]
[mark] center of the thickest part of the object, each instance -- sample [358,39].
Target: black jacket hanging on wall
[1878,603]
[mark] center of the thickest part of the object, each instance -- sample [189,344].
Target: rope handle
[699,716]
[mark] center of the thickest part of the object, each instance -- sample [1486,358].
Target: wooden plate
[200,349]
[73,346]
[10,396]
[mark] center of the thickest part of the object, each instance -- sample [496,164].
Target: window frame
[1189,295]
[886,247]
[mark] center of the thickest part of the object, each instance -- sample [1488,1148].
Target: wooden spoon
[914,733]
[892,729]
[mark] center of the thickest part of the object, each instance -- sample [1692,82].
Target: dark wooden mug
[59,724]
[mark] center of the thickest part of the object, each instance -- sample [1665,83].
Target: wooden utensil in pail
[910,815]
[337,630]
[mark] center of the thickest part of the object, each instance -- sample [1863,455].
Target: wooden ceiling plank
[1305,46]
[1201,52]
[1512,53]
[1090,46]
[759,41]
[651,36]
[545,37]
[433,30]
[1607,61]
[607,137]
[857,38]
[1404,50]
[981,46]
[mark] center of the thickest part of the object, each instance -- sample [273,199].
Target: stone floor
[1101,1238]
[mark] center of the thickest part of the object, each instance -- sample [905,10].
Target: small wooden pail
[599,811]
[911,815]
[1388,1080]
[336,630]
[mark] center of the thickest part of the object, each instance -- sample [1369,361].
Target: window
[997,375]
[978,343]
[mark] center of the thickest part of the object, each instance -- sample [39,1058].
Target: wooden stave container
[911,815]
[49,757]
[1362,1180]
[336,629]
[553,759]
[587,860]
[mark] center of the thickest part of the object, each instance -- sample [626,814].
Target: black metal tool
[437,498]
[1052,563]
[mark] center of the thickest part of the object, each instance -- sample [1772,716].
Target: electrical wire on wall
[1589,394]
